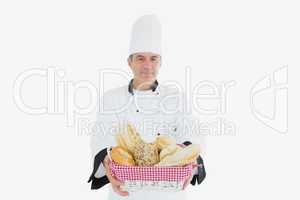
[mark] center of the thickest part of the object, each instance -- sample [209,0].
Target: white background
[43,158]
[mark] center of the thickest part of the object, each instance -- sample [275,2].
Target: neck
[139,85]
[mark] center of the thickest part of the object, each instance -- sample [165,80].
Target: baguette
[121,141]
[181,157]
[128,138]
[169,150]
[163,141]
[143,154]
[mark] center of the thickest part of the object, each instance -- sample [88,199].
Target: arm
[98,181]
[200,173]
[101,138]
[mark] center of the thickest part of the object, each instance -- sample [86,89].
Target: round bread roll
[121,156]
[146,154]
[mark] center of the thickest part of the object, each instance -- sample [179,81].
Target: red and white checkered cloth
[153,173]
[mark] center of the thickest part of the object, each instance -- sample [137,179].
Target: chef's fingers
[106,160]
[111,179]
[115,181]
[187,182]
[107,168]
[118,190]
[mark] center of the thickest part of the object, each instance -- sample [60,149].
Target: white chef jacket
[155,111]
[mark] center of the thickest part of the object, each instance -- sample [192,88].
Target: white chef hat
[146,35]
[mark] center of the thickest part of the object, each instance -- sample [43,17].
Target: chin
[148,79]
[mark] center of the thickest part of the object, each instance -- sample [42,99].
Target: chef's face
[145,66]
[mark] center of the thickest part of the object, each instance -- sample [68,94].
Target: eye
[155,59]
[140,59]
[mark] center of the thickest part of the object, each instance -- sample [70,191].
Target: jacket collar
[130,86]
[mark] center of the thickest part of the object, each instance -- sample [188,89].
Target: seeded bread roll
[121,156]
[146,154]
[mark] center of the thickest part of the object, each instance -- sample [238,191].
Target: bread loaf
[132,150]
[121,141]
[128,138]
[181,157]
[163,141]
[121,156]
[146,154]
[169,150]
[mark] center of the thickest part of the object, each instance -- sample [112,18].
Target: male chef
[152,108]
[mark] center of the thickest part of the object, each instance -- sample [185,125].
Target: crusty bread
[128,138]
[163,141]
[121,156]
[169,150]
[121,141]
[181,157]
[133,135]
[132,150]
[146,154]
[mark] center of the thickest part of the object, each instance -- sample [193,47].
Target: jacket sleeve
[98,182]
[102,137]
[200,174]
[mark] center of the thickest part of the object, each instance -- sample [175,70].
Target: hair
[130,57]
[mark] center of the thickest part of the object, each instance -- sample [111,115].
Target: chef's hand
[115,183]
[187,182]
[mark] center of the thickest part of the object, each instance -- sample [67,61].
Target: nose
[147,64]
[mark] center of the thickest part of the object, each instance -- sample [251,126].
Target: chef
[152,108]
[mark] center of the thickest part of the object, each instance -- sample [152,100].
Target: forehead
[146,54]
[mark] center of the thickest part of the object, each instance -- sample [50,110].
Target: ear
[129,62]
[160,63]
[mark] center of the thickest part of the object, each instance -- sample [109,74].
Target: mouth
[146,72]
